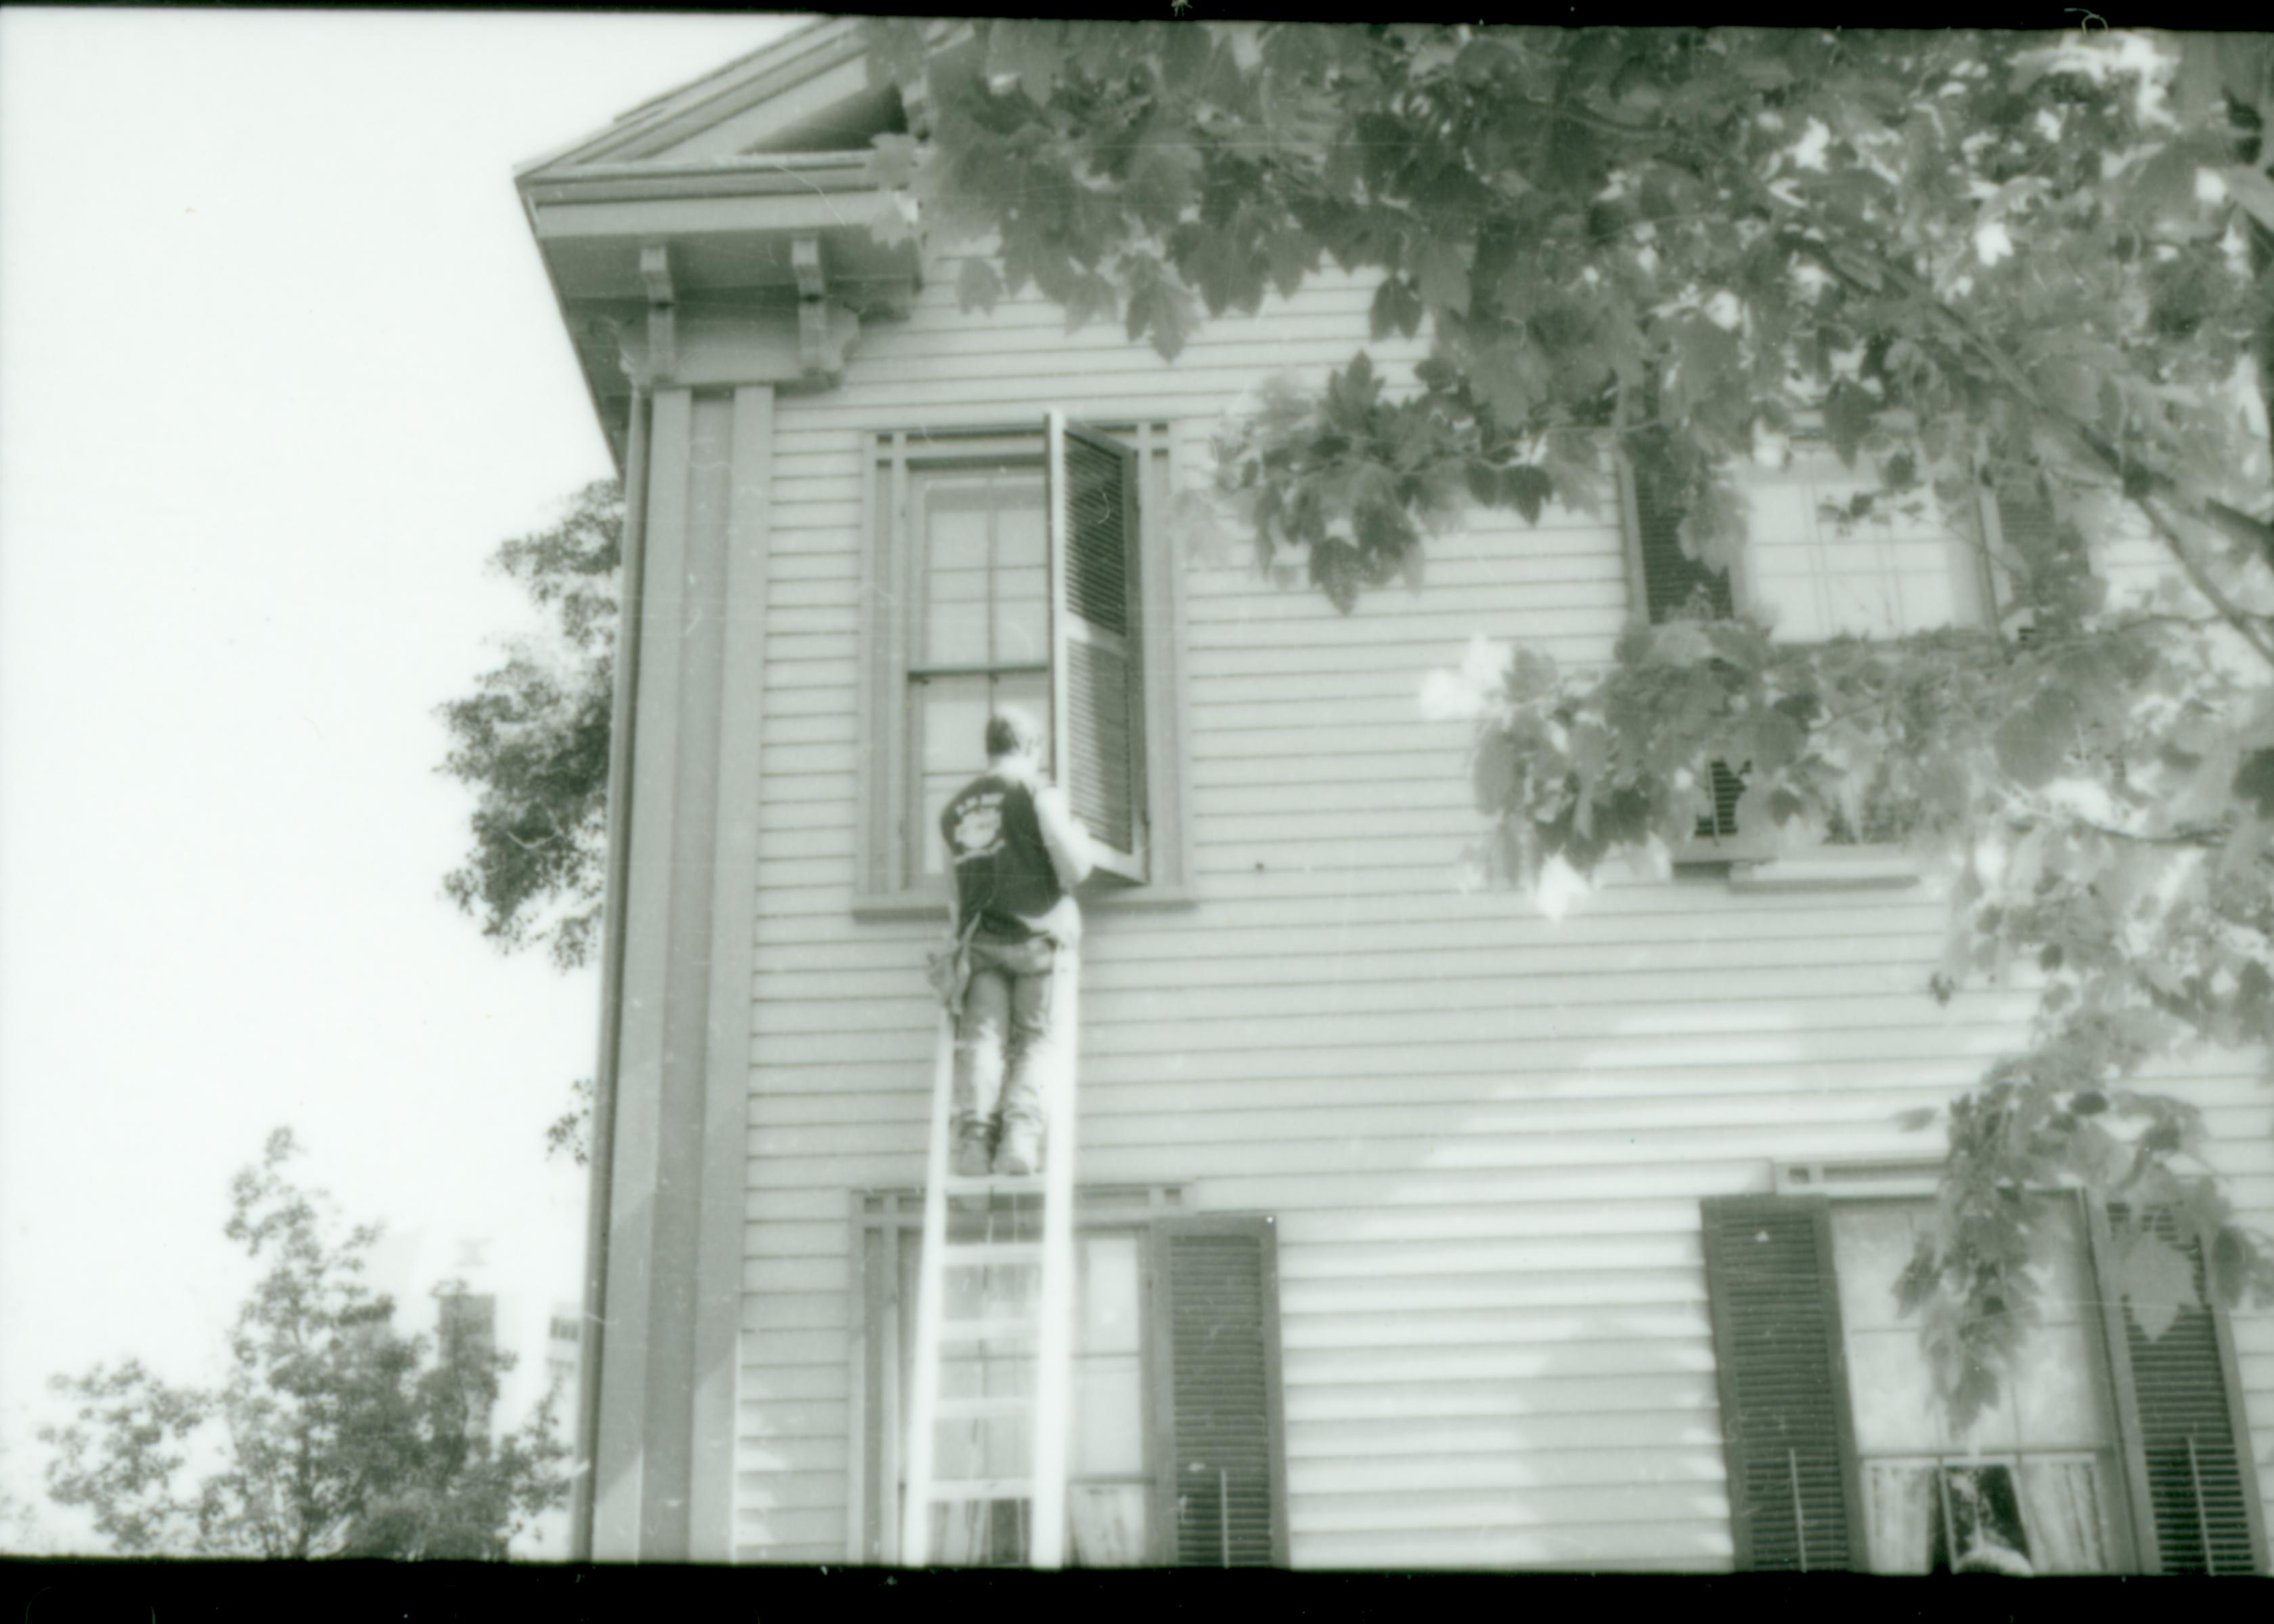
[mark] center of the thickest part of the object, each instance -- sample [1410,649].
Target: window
[1011,569]
[1813,570]
[2095,1460]
[1175,1403]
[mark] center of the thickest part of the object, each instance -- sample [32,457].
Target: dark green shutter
[1671,579]
[1098,678]
[2187,1447]
[1218,1299]
[1785,1420]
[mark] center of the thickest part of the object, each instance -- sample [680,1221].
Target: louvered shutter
[1785,1418]
[1096,683]
[2189,1449]
[1671,580]
[1220,1344]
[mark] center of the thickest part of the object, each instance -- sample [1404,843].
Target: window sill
[1829,868]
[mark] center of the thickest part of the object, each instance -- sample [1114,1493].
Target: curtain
[2061,1507]
[1904,1510]
[1105,1524]
[2038,1517]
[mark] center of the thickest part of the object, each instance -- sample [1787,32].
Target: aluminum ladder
[1045,1327]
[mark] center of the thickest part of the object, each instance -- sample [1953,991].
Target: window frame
[1151,1213]
[1760,862]
[1814,1187]
[888,627]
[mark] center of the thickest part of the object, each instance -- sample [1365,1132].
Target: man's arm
[1063,835]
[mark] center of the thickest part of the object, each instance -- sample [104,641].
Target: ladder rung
[990,1404]
[988,1254]
[983,1330]
[983,1488]
[992,1183]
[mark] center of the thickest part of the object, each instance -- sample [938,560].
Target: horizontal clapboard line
[1161,1157]
[1683,1537]
[1399,980]
[1560,614]
[1201,1024]
[1436,609]
[1482,949]
[1302,1052]
[817,1452]
[1557,1326]
[1602,1358]
[1544,1506]
[1537,1397]
[756,1530]
[1494,1432]
[770,1490]
[1392,1121]
[877,1095]
[1533,1469]
[790,1384]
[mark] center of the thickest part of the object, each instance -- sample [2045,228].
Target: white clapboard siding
[1484,1133]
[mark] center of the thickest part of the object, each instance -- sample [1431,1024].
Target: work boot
[1020,1153]
[973,1149]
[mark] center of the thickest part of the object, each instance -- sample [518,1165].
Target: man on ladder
[1019,852]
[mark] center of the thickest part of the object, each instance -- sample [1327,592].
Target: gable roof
[807,92]
[746,188]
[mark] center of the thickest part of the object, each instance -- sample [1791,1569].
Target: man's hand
[1063,835]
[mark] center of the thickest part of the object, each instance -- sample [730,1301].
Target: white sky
[279,368]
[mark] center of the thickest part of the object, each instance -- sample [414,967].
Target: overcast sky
[279,368]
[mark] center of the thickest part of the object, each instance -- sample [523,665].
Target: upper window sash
[891,876]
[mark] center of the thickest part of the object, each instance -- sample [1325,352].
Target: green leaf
[1442,271]
[1915,1119]
[1492,775]
[1030,51]
[977,287]
[1293,255]
[2034,742]
[2157,1281]
[2254,781]
[2233,1258]
[1396,308]
[1527,490]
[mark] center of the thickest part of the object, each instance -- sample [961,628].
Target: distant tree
[332,1435]
[533,741]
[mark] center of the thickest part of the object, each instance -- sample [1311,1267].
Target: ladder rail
[931,1282]
[1052,1327]
[1054,1354]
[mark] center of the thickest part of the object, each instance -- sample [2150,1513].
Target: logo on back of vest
[979,828]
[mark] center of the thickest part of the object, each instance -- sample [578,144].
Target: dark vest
[1003,872]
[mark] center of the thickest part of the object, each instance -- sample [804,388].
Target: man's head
[1014,736]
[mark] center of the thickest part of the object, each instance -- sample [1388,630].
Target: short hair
[1011,732]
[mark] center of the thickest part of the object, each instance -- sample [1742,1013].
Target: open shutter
[1671,579]
[1785,1418]
[1216,1308]
[2189,1455]
[1096,684]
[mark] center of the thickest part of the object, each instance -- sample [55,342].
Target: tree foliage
[333,1435]
[2037,265]
[533,741]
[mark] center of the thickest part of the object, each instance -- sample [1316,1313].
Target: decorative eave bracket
[655,272]
[826,331]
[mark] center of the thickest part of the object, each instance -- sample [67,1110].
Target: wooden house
[1422,1230]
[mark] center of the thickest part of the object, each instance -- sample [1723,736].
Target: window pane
[1815,573]
[1109,1295]
[1022,619]
[947,723]
[1109,1419]
[953,524]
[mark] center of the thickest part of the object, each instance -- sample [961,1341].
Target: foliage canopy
[333,1435]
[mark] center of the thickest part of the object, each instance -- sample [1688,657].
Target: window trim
[1815,1186]
[886,629]
[1153,1213]
[1760,862]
